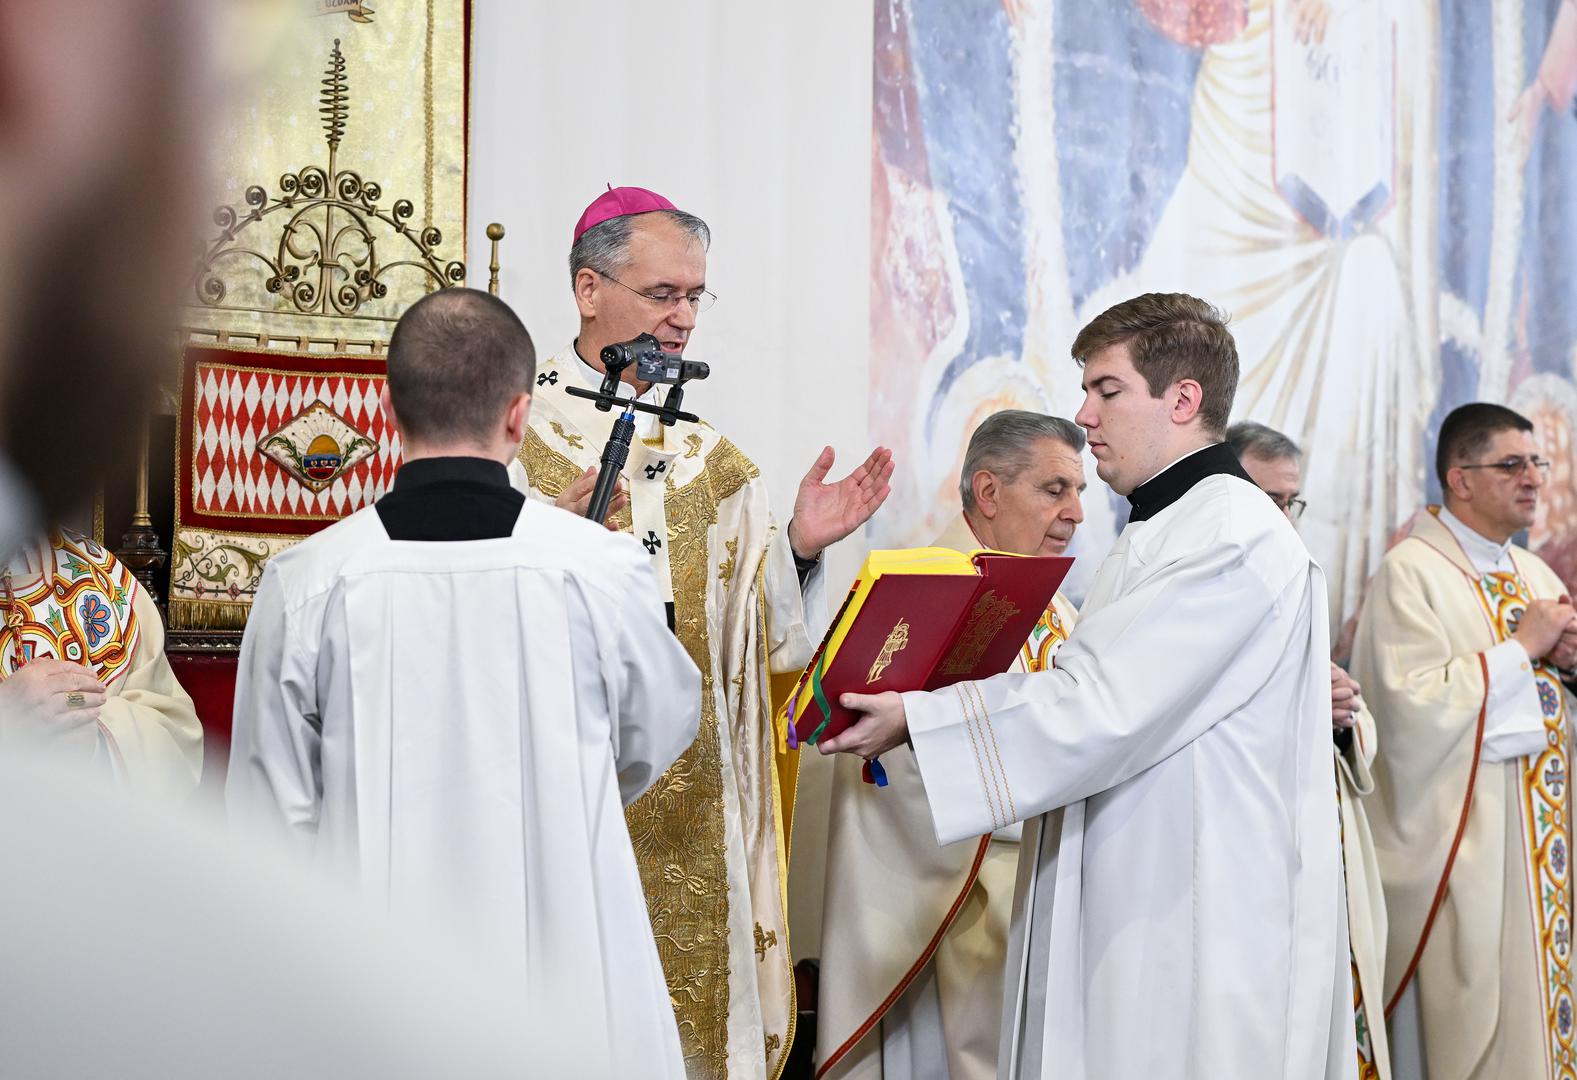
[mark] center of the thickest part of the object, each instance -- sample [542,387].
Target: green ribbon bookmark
[821,698]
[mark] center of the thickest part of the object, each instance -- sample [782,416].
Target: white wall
[756,117]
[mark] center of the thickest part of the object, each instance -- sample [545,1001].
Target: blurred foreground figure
[96,177]
[144,944]
[453,694]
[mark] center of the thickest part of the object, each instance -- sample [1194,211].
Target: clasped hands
[1548,631]
[51,700]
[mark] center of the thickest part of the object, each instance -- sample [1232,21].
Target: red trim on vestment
[1451,858]
[909,976]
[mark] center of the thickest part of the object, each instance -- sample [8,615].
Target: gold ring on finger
[76,699]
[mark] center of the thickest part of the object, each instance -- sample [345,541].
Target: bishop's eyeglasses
[699,301]
[1513,467]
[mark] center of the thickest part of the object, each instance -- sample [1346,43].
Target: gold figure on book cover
[897,640]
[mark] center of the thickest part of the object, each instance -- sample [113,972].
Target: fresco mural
[1376,191]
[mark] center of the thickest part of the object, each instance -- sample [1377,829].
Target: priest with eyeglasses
[1462,649]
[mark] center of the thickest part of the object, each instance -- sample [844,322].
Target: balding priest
[710,836]
[451,695]
[1188,917]
[914,936]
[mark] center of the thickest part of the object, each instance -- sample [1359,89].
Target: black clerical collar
[449,470]
[1175,481]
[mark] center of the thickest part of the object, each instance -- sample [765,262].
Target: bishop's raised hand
[825,513]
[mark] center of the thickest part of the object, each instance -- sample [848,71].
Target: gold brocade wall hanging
[347,162]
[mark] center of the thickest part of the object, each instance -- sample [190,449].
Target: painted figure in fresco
[1375,260]
[1318,256]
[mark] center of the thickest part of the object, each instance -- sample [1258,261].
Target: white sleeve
[656,687]
[788,602]
[1014,746]
[1513,720]
[275,782]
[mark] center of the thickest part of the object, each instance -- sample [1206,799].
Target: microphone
[661,367]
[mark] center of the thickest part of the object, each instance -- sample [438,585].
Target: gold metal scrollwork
[327,261]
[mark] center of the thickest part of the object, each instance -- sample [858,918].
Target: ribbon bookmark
[821,699]
[792,735]
[873,773]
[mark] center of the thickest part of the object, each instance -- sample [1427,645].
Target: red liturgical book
[920,619]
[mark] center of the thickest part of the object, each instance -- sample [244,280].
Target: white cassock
[1183,915]
[459,726]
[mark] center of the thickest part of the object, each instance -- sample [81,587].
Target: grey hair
[605,247]
[1250,439]
[1003,442]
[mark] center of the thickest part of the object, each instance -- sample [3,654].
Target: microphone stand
[617,450]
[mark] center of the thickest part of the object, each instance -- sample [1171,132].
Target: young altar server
[1460,649]
[914,936]
[453,694]
[1184,916]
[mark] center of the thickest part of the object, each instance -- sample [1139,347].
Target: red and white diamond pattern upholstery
[235,407]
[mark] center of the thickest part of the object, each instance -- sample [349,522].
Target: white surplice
[459,726]
[1180,909]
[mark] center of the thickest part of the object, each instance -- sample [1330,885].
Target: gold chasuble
[709,836]
[1474,843]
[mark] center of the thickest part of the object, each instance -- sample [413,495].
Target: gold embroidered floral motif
[571,439]
[773,1042]
[764,941]
[725,569]
[692,441]
[677,827]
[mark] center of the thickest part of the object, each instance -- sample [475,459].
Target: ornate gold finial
[335,97]
[495,233]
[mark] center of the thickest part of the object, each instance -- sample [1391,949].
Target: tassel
[873,773]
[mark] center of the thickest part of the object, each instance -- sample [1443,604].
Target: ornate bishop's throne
[275,430]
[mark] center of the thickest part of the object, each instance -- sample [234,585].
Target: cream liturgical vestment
[1471,814]
[710,836]
[459,726]
[69,599]
[1366,921]
[1183,915]
[914,935]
